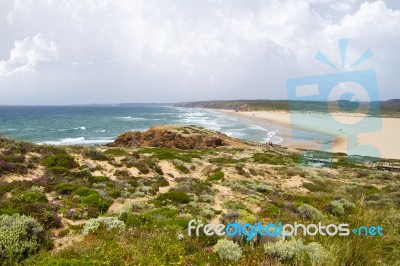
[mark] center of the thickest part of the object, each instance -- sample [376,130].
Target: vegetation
[20,237]
[132,206]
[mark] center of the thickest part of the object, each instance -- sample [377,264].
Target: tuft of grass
[219,175]
[116,152]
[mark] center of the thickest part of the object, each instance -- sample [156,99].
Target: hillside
[180,137]
[389,108]
[131,205]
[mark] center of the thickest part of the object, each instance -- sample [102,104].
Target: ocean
[100,124]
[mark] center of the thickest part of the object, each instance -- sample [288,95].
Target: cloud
[112,51]
[27,53]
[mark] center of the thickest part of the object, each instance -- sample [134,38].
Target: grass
[219,175]
[156,221]
[116,152]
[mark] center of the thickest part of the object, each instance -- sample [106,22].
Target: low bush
[20,237]
[142,167]
[182,168]
[341,207]
[219,175]
[60,160]
[65,188]
[296,250]
[32,197]
[309,212]
[96,200]
[95,225]
[228,250]
[116,152]
[85,191]
[175,196]
[98,179]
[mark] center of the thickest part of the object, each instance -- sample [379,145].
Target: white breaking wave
[82,128]
[78,141]
[130,118]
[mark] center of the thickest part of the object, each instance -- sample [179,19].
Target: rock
[180,137]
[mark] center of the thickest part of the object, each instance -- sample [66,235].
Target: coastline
[384,139]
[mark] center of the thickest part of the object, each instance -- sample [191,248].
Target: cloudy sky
[104,51]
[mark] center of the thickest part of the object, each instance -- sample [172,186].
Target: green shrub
[182,168]
[228,250]
[122,173]
[309,212]
[20,237]
[161,182]
[143,169]
[133,183]
[175,196]
[98,179]
[219,175]
[116,152]
[65,188]
[32,197]
[295,250]
[93,226]
[341,207]
[60,160]
[96,200]
[95,155]
[85,191]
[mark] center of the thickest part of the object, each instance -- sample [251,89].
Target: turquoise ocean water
[89,125]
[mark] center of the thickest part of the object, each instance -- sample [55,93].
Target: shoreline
[385,139]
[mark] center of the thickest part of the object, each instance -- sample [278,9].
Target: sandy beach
[381,134]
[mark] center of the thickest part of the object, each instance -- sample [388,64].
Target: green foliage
[309,212]
[228,250]
[167,154]
[20,237]
[116,152]
[174,196]
[95,155]
[85,191]
[272,158]
[182,168]
[60,160]
[33,197]
[226,160]
[65,188]
[235,205]
[95,225]
[219,175]
[296,250]
[142,167]
[317,186]
[96,200]
[98,179]
[341,207]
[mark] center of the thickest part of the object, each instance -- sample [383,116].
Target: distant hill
[386,108]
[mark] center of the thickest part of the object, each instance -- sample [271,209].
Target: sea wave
[130,118]
[77,141]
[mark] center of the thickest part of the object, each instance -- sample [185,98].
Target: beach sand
[383,133]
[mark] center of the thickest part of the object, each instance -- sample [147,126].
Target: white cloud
[27,53]
[184,50]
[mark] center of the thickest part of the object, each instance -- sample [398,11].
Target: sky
[104,51]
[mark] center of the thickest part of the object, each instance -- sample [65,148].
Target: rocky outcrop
[180,137]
